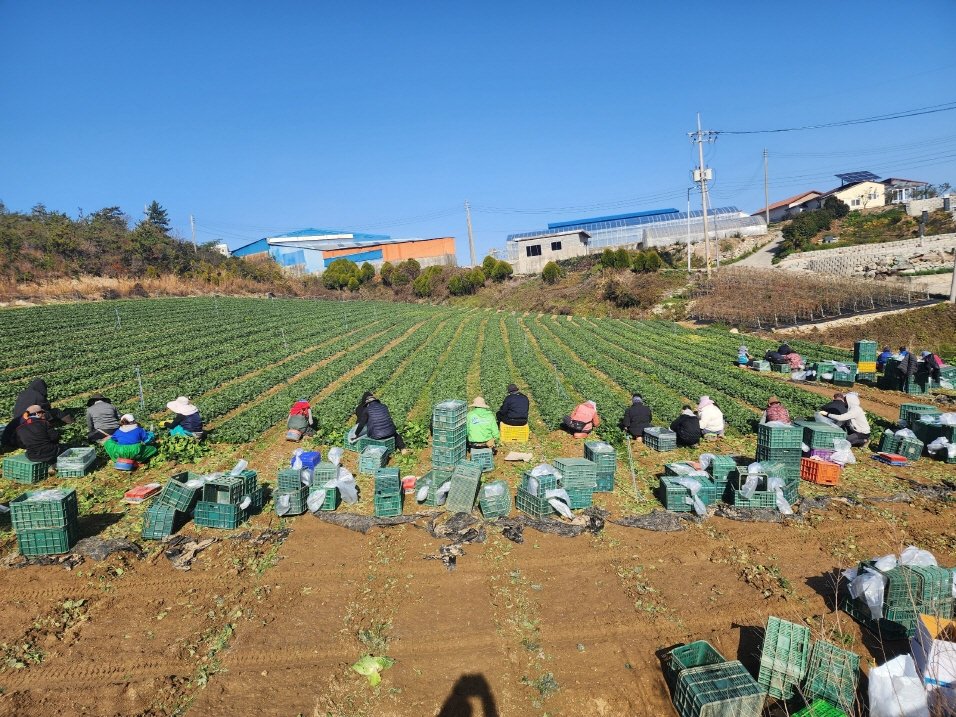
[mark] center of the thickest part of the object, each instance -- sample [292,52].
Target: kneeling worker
[482,426]
[636,418]
[130,441]
[854,420]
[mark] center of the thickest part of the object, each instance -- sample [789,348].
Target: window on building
[555,246]
[534,250]
[855,203]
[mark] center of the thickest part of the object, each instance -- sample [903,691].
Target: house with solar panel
[310,251]
[528,252]
[858,190]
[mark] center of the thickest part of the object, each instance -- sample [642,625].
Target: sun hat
[512,388]
[128,417]
[96,397]
[479,402]
[182,406]
[773,399]
[704,401]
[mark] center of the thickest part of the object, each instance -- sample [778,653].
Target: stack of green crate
[817,434]
[718,690]
[781,444]
[533,502]
[75,462]
[762,498]
[660,439]
[494,499]
[21,469]
[449,433]
[721,468]
[289,486]
[222,497]
[674,496]
[579,479]
[464,479]
[910,413]
[387,500]
[603,456]
[45,521]
[371,459]
[433,480]
[694,654]
[484,457]
[784,657]
[173,506]
[910,591]
[864,351]
[889,442]
[832,675]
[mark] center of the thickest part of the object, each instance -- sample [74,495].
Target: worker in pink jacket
[583,419]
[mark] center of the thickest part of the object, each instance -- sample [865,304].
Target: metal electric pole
[192,225]
[471,239]
[701,176]
[766,190]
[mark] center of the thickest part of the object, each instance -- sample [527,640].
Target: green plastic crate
[660,439]
[576,472]
[371,459]
[160,521]
[258,500]
[774,437]
[832,674]
[721,467]
[75,462]
[694,654]
[388,481]
[448,457]
[450,413]
[545,482]
[912,412]
[844,378]
[817,434]
[35,542]
[57,511]
[225,490]
[819,708]
[763,366]
[532,505]
[864,350]
[497,503]
[434,479]
[673,496]
[780,367]
[210,514]
[784,657]
[289,479]
[602,454]
[911,448]
[485,457]
[579,498]
[762,498]
[722,690]
[177,494]
[387,504]
[604,483]
[449,437]
[332,498]
[889,442]
[464,489]
[883,628]
[297,500]
[21,469]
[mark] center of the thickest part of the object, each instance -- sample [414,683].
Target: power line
[932,109]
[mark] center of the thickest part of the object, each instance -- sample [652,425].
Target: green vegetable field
[244,361]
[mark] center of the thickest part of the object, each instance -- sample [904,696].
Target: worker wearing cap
[130,441]
[514,409]
[482,427]
[37,436]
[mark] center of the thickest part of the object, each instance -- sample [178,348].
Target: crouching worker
[186,421]
[514,409]
[40,439]
[102,418]
[300,418]
[854,421]
[375,421]
[687,428]
[583,419]
[482,425]
[636,418]
[710,417]
[130,441]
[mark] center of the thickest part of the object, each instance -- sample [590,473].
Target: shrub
[387,272]
[366,273]
[837,208]
[551,273]
[477,277]
[339,273]
[488,264]
[501,271]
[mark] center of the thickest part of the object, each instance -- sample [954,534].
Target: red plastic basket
[820,472]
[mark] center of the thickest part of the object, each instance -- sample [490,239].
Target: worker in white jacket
[711,417]
[856,425]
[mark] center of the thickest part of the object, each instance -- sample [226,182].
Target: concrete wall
[571,246]
[868,258]
[915,207]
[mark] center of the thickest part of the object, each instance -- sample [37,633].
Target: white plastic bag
[305,476]
[296,461]
[886,563]
[315,501]
[871,586]
[798,376]
[749,487]
[240,466]
[705,460]
[559,499]
[335,455]
[946,419]
[532,485]
[896,690]
[905,433]
[777,424]
[543,469]
[915,556]
[345,482]
[842,452]
[937,445]
[245,502]
[755,468]
[776,484]
[820,418]
[283,504]
[804,448]
[694,500]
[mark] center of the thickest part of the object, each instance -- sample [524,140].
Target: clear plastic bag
[776,484]
[798,376]
[239,467]
[559,499]
[283,504]
[694,500]
[245,502]
[532,485]
[896,689]
[335,455]
[296,461]
[749,487]
[820,418]
[946,419]
[305,476]
[938,445]
[315,501]
[918,557]
[543,469]
[871,586]
[705,460]
[345,482]
[842,452]
[492,490]
[905,433]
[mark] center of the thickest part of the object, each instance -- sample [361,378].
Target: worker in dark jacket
[102,419]
[40,439]
[514,409]
[687,428]
[837,405]
[34,394]
[907,368]
[636,418]
[375,421]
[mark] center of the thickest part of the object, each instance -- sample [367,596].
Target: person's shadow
[458,703]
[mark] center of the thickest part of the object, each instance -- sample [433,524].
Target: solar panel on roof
[849,177]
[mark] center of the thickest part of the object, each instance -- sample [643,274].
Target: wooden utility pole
[471,239]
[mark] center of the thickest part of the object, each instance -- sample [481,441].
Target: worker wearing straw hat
[186,421]
[482,425]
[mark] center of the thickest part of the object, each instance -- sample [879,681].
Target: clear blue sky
[260,117]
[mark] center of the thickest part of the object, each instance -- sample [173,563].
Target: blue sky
[384,117]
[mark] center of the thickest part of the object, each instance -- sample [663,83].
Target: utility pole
[702,175]
[192,224]
[952,287]
[471,239]
[766,190]
[688,229]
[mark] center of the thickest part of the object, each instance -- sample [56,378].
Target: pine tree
[157,216]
